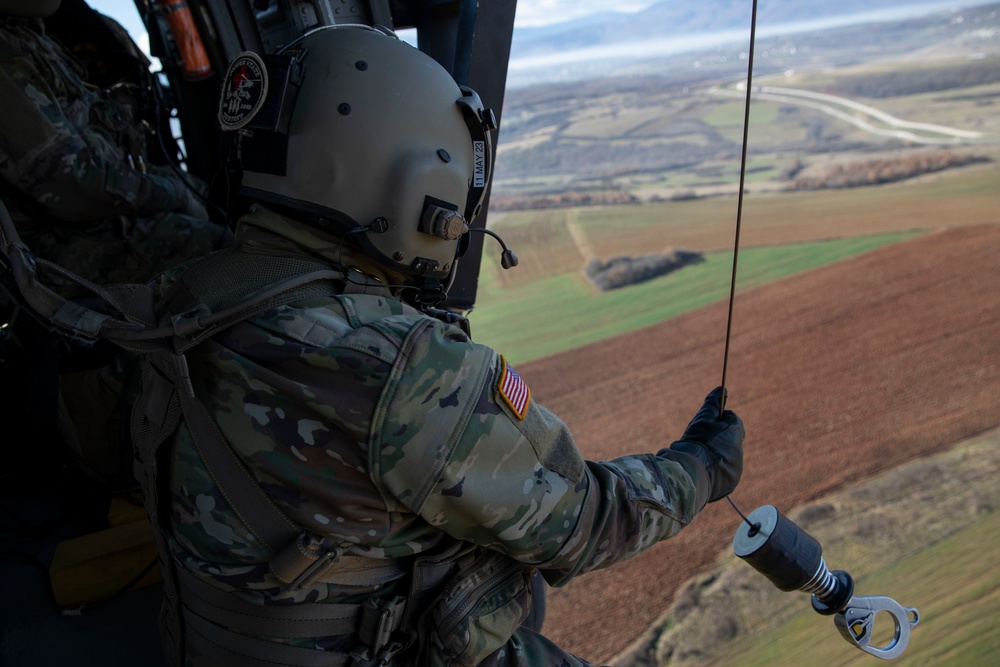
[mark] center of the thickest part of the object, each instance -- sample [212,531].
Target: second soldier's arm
[48,155]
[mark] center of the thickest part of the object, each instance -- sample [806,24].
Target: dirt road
[838,374]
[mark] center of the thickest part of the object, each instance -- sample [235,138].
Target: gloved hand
[716,441]
[188,202]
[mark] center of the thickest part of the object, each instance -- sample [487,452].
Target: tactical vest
[453,594]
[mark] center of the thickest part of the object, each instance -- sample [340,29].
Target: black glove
[190,204]
[716,441]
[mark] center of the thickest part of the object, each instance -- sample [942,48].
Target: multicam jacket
[394,434]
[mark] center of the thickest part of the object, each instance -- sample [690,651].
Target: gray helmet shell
[380,137]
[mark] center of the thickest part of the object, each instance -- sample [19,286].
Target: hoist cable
[739,224]
[739,204]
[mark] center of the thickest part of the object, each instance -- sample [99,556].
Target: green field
[542,242]
[560,312]
[545,305]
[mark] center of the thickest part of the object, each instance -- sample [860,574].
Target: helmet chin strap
[432,291]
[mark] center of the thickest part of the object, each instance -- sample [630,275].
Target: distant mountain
[676,17]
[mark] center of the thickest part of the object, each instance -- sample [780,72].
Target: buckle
[378,623]
[312,572]
[303,561]
[385,656]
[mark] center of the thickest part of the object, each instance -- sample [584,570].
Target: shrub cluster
[562,200]
[874,172]
[625,270]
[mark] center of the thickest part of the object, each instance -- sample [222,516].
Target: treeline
[561,200]
[916,81]
[625,270]
[875,172]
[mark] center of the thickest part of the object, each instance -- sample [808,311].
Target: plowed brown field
[840,373]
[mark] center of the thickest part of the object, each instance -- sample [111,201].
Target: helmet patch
[244,89]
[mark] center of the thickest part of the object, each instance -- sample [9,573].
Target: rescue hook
[792,560]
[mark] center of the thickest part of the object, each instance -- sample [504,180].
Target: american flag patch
[513,390]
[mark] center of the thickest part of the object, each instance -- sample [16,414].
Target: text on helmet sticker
[244,89]
[479,159]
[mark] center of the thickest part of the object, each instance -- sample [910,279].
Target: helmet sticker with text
[479,155]
[244,89]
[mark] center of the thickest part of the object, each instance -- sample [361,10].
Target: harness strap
[375,623]
[156,416]
[137,330]
[254,507]
[227,649]
[297,557]
[297,621]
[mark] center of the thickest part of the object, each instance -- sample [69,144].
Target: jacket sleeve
[70,171]
[453,450]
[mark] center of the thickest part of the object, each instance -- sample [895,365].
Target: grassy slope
[952,584]
[942,564]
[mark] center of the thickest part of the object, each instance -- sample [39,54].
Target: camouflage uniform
[388,431]
[72,170]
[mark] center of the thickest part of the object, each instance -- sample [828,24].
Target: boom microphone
[507,258]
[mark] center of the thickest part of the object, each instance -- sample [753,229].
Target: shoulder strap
[135,326]
[254,507]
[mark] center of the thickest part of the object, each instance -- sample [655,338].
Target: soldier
[76,179]
[350,479]
[74,171]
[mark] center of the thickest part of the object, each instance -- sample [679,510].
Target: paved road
[848,111]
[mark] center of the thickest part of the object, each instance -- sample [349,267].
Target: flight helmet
[361,134]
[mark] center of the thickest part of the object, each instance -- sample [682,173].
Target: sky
[124,12]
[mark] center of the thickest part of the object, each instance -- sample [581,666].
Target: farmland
[545,305]
[864,335]
[840,373]
[657,143]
